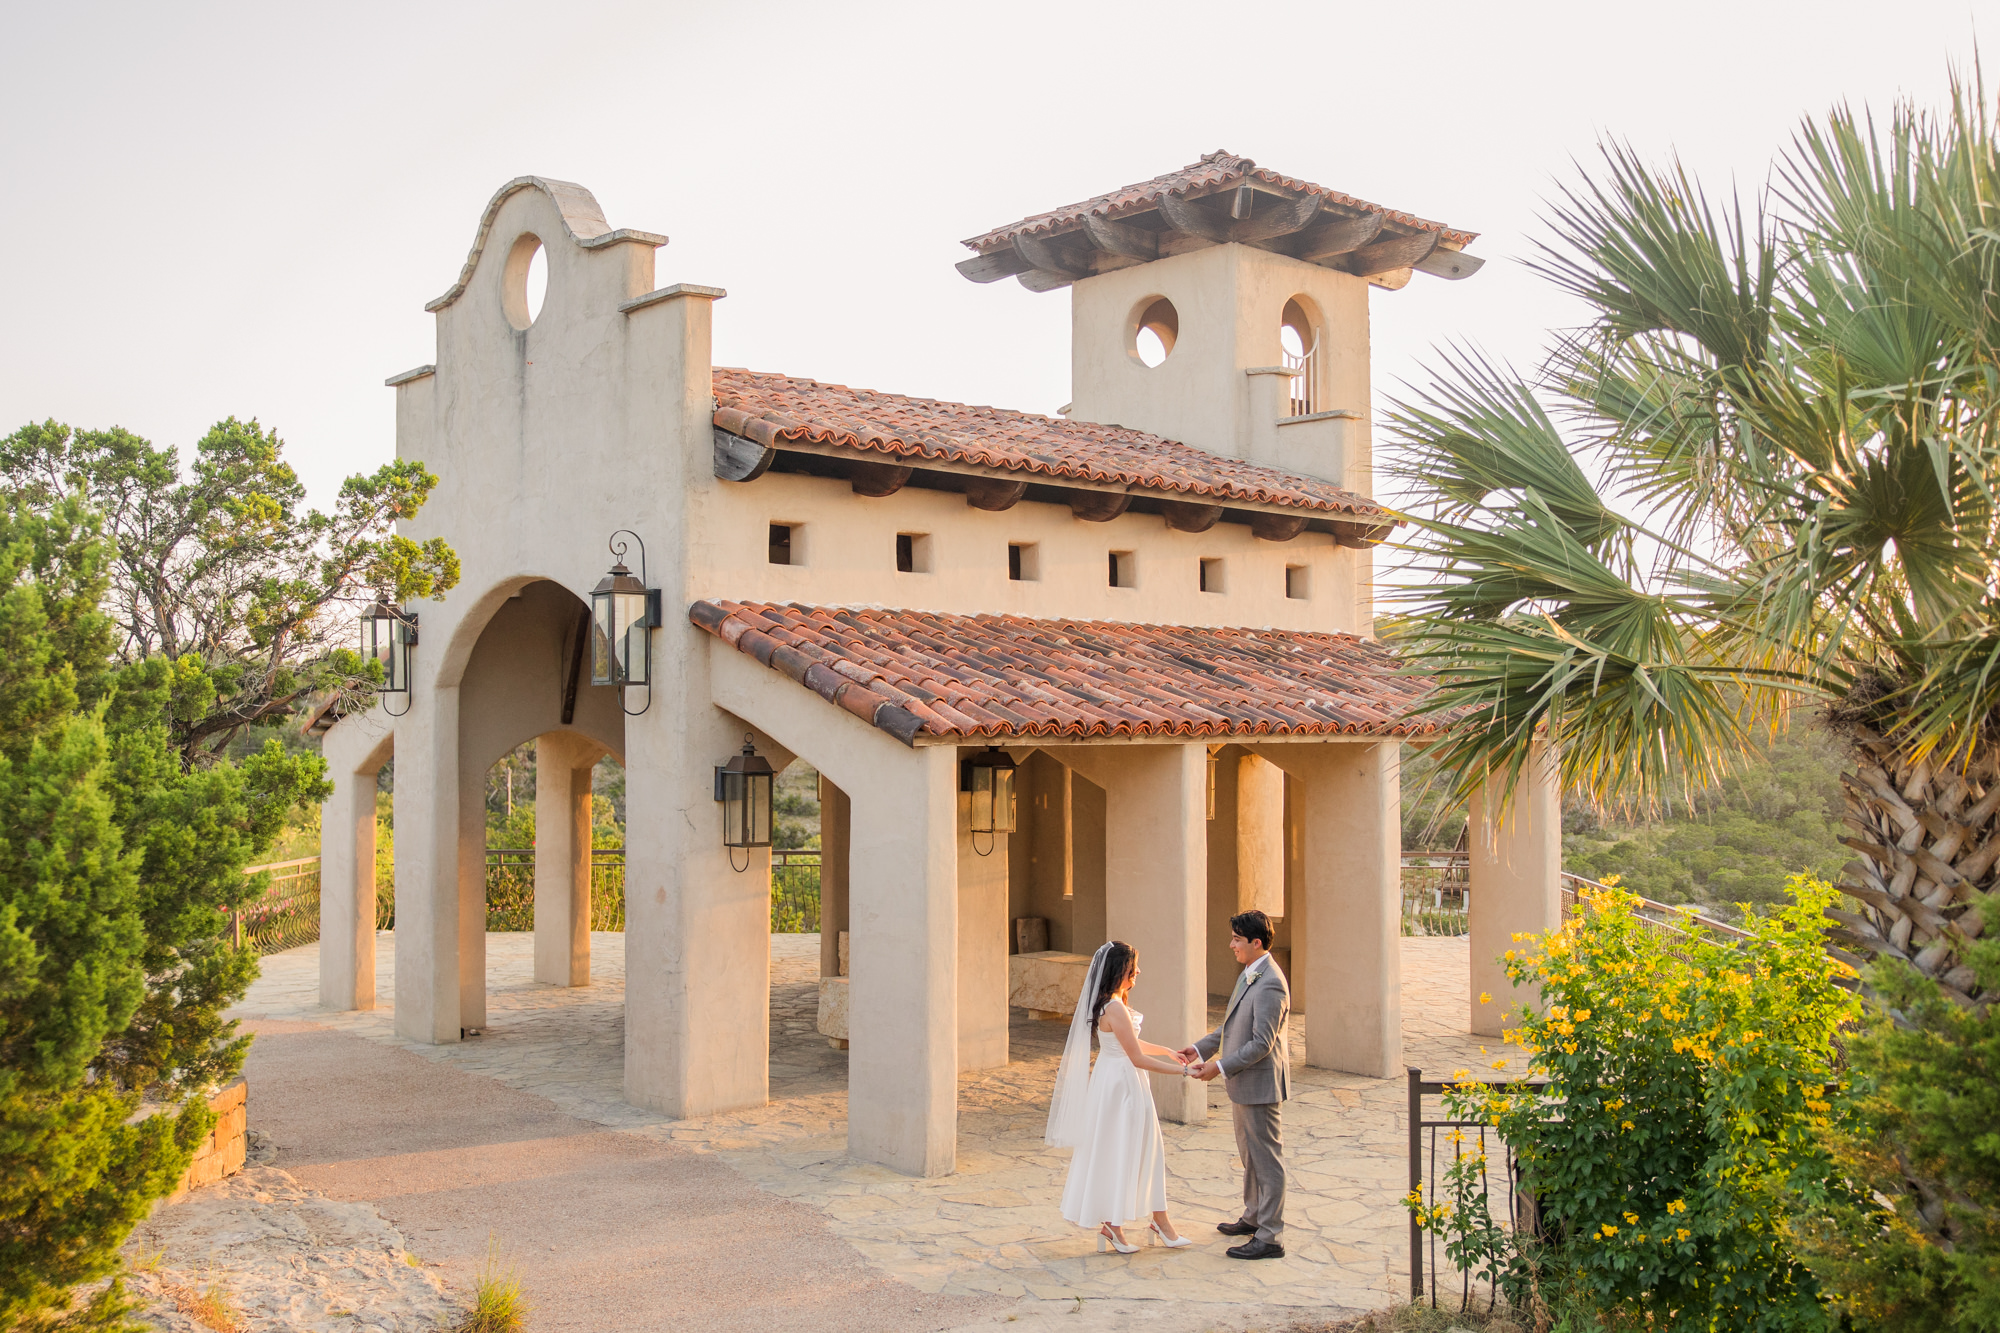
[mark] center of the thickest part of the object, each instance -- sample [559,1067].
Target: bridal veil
[1066,1106]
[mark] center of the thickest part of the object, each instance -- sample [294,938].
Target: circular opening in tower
[1156,325]
[525,284]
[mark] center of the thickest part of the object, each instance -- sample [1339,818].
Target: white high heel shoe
[1106,1238]
[1155,1234]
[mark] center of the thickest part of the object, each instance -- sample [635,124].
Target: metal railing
[286,914]
[1303,365]
[1437,893]
[1521,1213]
[510,888]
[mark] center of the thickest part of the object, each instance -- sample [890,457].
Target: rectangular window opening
[913,553]
[1124,570]
[781,544]
[1211,576]
[1298,582]
[1024,563]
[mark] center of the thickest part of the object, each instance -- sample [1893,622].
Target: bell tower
[1226,306]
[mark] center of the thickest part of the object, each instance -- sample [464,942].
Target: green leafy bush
[1684,1119]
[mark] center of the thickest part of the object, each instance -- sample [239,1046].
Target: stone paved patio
[993,1227]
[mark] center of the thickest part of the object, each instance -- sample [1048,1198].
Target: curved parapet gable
[582,219]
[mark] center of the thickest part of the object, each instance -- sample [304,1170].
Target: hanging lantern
[743,785]
[623,613]
[990,779]
[387,635]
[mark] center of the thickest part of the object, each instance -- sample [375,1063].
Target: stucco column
[427,856]
[1349,974]
[471,890]
[835,814]
[902,1080]
[982,943]
[1156,891]
[355,750]
[564,762]
[1516,882]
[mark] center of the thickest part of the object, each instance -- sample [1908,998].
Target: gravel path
[609,1231]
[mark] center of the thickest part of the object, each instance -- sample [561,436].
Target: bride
[1119,1170]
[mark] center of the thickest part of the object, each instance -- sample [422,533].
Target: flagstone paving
[992,1227]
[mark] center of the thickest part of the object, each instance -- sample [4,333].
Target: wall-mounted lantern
[387,635]
[989,776]
[623,614]
[743,786]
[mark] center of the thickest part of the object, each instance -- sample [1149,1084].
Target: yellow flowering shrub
[1690,1081]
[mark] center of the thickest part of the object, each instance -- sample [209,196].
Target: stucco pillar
[564,763]
[835,814]
[471,891]
[1156,891]
[427,857]
[1516,882]
[982,944]
[1348,974]
[902,1081]
[1260,836]
[355,750]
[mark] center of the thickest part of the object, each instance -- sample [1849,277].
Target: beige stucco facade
[549,434]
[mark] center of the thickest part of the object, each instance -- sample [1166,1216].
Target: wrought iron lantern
[387,635]
[990,778]
[743,786]
[623,614]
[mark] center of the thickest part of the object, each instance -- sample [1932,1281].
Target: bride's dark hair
[1118,960]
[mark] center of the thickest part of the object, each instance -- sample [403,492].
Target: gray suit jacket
[1252,1040]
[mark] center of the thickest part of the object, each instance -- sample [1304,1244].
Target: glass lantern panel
[759,800]
[982,799]
[397,673]
[734,832]
[603,660]
[1003,800]
[632,629]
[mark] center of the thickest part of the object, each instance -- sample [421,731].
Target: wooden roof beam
[1339,236]
[994,266]
[1050,256]
[1269,217]
[1182,516]
[1122,238]
[1394,253]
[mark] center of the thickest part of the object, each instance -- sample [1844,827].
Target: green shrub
[1684,1118]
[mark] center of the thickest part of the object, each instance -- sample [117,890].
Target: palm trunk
[1928,836]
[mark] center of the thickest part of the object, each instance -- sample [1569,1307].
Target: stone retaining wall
[223,1152]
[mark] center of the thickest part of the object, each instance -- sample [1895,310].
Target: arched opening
[1299,338]
[524,281]
[1156,327]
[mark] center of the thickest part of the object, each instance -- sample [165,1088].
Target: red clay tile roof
[1213,172]
[933,675]
[772,409]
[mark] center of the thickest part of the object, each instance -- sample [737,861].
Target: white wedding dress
[1119,1172]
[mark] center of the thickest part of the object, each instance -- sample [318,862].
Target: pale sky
[216,209]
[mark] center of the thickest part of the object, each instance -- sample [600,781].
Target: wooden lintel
[878,479]
[1122,238]
[1357,536]
[1396,252]
[1450,265]
[1276,527]
[1393,281]
[1048,255]
[992,267]
[1277,215]
[992,494]
[1188,216]
[1182,516]
[1338,237]
[738,459]
[1037,280]
[1098,506]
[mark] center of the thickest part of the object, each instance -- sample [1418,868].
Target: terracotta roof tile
[772,409]
[935,675]
[1213,172]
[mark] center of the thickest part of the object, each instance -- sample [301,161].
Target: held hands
[1205,1070]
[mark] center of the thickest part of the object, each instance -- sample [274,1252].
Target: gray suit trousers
[1260,1142]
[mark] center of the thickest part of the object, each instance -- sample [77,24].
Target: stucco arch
[583,223]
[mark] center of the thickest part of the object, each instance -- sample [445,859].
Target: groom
[1252,1042]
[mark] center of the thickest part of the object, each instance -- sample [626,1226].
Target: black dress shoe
[1236,1228]
[1257,1249]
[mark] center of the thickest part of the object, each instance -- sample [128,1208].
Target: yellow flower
[1682,1233]
[1633,1218]
[1677,1206]
[1607,1229]
[1484,998]
[1569,1048]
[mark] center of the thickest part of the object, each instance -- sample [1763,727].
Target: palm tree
[1794,405]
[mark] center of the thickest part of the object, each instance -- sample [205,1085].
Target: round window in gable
[525,284]
[1156,326]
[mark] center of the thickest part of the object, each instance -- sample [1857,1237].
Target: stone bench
[1046,983]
